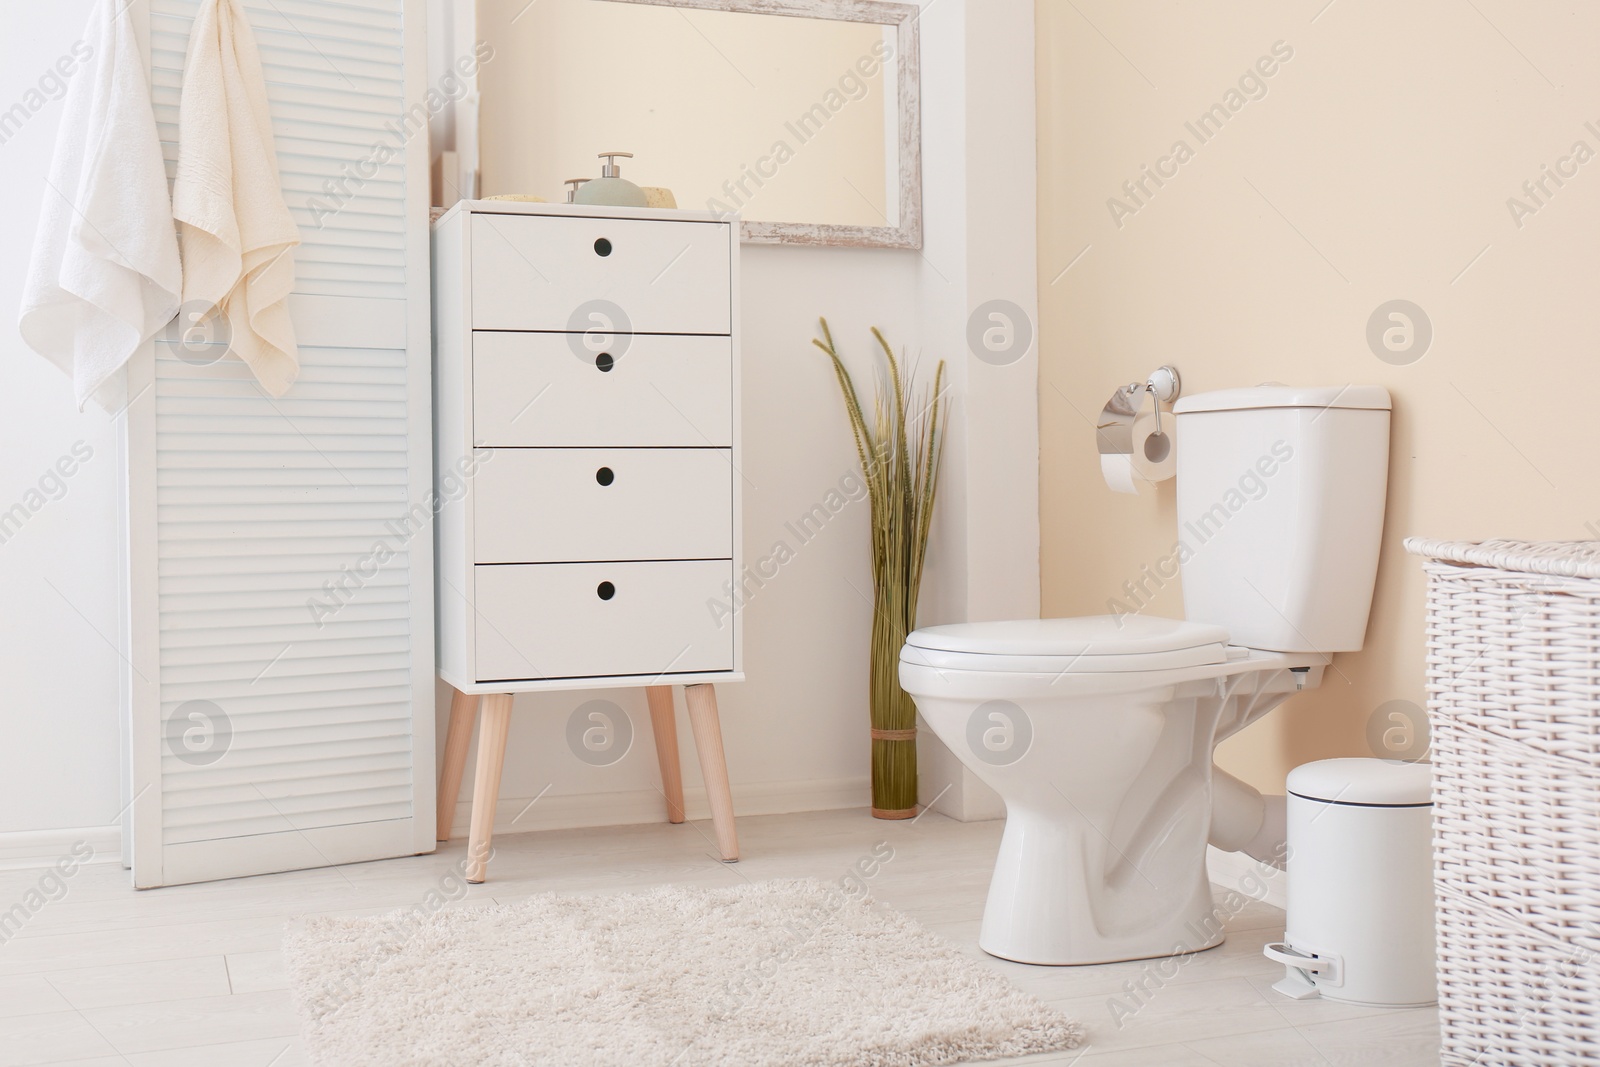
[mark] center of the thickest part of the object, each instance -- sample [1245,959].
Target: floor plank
[195,1021]
[141,983]
[50,1037]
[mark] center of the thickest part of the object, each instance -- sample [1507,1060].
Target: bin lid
[1375,783]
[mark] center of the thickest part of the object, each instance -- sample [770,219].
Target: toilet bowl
[1098,731]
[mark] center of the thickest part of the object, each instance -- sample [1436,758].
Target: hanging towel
[104,276]
[237,234]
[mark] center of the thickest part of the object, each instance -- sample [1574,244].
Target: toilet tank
[1280,512]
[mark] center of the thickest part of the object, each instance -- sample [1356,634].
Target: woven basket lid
[1565,559]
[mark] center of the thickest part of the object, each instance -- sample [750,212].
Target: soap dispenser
[611,189]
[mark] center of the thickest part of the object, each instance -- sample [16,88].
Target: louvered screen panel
[334,78]
[259,503]
[263,506]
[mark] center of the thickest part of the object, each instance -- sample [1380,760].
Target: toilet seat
[1089,644]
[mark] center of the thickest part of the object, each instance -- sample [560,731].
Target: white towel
[237,234]
[104,276]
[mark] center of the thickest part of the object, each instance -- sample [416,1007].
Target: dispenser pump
[611,189]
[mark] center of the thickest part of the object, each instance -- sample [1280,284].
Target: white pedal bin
[1360,863]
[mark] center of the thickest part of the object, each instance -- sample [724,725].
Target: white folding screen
[281,550]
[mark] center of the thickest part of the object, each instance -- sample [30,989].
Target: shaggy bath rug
[790,973]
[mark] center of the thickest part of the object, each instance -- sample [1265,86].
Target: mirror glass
[781,119]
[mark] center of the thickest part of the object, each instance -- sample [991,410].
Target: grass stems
[899,450]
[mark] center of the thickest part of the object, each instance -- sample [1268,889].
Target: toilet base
[1061,896]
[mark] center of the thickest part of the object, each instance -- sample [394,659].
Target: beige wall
[711,103]
[1377,165]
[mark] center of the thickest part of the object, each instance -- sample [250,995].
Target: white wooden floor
[191,976]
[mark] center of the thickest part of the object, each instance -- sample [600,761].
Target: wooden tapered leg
[457,739]
[495,718]
[664,724]
[702,700]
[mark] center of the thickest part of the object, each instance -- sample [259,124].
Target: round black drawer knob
[605,476]
[602,247]
[604,362]
[605,591]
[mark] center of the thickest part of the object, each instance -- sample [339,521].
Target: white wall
[58,573]
[978,180]
[796,732]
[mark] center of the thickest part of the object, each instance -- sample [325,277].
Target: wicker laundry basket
[1514,708]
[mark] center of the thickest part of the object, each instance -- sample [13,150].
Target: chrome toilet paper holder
[1114,432]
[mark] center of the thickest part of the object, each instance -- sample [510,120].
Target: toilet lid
[1091,643]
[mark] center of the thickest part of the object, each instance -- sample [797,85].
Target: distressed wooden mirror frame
[908,234]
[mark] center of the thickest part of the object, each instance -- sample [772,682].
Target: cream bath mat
[777,974]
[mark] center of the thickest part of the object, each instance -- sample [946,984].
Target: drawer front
[538,505]
[549,621]
[532,389]
[543,272]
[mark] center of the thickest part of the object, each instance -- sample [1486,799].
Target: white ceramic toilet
[1098,731]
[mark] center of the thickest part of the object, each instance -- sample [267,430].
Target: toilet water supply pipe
[1245,820]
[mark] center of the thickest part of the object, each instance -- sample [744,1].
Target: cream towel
[104,276]
[237,234]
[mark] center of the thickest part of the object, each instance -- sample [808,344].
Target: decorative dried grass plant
[900,451]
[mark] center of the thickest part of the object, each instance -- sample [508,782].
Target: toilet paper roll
[1117,470]
[1155,456]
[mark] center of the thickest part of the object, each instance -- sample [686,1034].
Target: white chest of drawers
[588,481]
[587,488]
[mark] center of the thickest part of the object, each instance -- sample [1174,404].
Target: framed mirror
[801,116]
